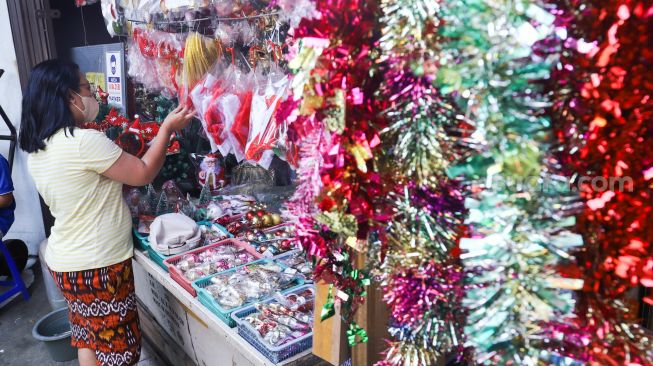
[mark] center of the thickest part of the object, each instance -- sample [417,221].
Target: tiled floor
[19,348]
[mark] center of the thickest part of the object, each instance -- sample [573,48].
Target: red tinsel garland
[604,116]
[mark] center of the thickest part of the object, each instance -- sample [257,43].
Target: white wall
[29,224]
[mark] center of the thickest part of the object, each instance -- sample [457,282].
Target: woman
[80,174]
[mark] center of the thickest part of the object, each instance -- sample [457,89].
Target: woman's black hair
[46,103]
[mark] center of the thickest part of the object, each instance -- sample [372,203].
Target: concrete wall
[29,224]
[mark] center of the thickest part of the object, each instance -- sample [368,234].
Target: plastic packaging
[265,130]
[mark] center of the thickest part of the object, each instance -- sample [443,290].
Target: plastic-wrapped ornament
[194,274]
[277,336]
[230,298]
[292,323]
[224,32]
[285,245]
[247,33]
[163,206]
[226,249]
[219,281]
[133,199]
[273,250]
[187,262]
[250,235]
[207,267]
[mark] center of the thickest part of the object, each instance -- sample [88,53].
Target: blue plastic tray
[281,258]
[274,354]
[225,315]
[140,241]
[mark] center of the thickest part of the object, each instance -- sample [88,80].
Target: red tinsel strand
[606,122]
[350,183]
[604,119]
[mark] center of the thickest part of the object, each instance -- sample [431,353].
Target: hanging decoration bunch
[337,127]
[603,114]
[421,273]
[200,55]
[520,212]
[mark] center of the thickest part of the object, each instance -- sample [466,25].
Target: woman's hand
[178,119]
[133,171]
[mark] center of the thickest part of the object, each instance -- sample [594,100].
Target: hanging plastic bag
[205,97]
[200,56]
[222,110]
[239,129]
[142,69]
[110,14]
[141,10]
[265,130]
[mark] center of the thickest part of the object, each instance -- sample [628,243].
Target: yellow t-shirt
[92,221]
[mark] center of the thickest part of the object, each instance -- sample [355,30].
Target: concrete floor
[17,347]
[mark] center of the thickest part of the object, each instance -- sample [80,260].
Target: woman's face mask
[91,107]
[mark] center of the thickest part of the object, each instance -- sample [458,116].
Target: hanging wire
[181,21]
[81,11]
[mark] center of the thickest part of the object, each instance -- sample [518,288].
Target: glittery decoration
[426,314]
[420,271]
[332,59]
[519,229]
[602,92]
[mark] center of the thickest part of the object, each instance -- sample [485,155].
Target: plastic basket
[160,259]
[270,230]
[217,226]
[253,337]
[178,276]
[141,241]
[281,258]
[225,315]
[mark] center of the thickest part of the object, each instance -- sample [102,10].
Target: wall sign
[114,79]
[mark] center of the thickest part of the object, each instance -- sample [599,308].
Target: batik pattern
[103,313]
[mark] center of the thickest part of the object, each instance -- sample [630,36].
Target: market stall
[219,272]
[175,320]
[386,182]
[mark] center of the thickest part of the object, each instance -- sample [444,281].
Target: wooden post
[329,337]
[373,317]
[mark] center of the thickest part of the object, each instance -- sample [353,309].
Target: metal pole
[12,137]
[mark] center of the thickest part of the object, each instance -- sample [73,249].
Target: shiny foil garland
[603,116]
[332,61]
[520,215]
[421,274]
[487,61]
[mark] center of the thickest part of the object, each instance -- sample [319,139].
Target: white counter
[205,339]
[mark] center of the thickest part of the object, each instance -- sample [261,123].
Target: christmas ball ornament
[276,219]
[249,215]
[285,245]
[256,221]
[273,249]
[260,213]
[262,248]
[267,220]
[250,235]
